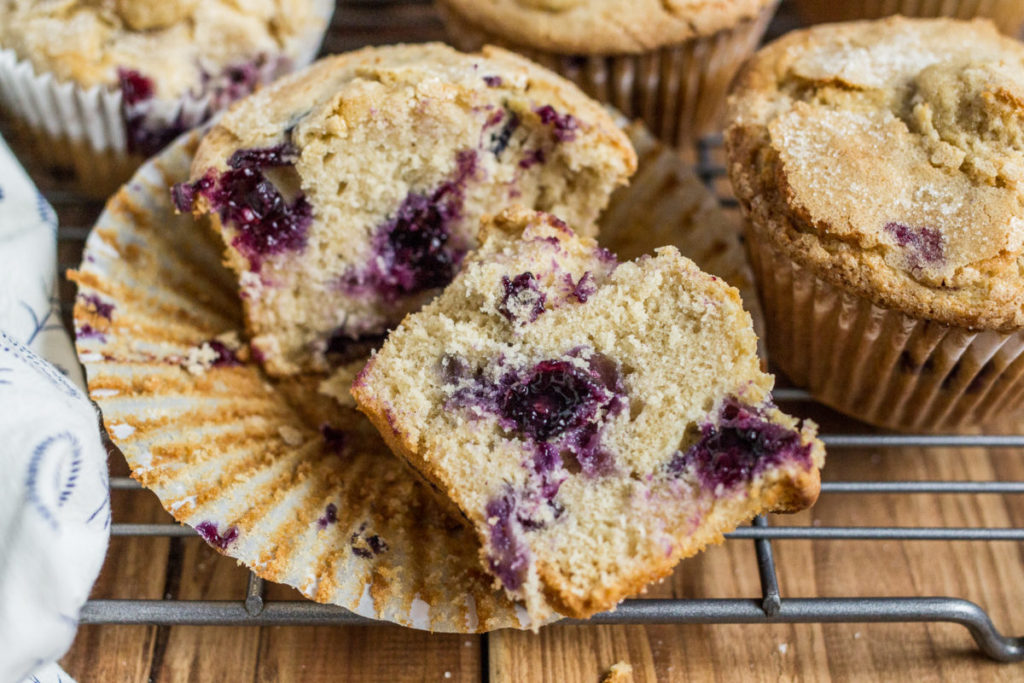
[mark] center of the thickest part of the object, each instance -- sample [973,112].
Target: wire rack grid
[770,607]
[767,608]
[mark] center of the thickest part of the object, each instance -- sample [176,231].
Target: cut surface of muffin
[348,195]
[594,421]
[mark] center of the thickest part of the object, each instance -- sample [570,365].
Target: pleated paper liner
[299,488]
[880,365]
[678,90]
[1008,15]
[78,134]
[270,473]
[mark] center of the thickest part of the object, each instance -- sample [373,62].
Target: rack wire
[770,607]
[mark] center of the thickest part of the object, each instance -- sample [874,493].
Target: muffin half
[594,421]
[348,195]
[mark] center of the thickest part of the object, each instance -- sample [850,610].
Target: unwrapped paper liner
[269,473]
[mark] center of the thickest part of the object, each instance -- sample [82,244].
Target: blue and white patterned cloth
[54,494]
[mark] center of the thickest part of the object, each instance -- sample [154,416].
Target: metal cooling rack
[770,607]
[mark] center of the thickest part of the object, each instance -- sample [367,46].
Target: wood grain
[992,574]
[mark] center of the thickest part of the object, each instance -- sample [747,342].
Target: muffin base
[880,365]
[678,90]
[1007,16]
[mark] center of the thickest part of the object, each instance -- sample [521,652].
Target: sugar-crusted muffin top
[597,26]
[334,97]
[348,194]
[889,156]
[174,42]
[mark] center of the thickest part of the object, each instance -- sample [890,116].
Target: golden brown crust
[852,153]
[785,494]
[601,26]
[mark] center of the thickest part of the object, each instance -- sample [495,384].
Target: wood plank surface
[992,574]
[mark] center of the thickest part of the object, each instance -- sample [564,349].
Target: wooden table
[992,574]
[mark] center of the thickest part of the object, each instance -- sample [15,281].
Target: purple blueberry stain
[225,356]
[209,532]
[531,158]
[366,546]
[147,131]
[507,554]
[500,139]
[564,126]
[102,308]
[557,405]
[183,196]
[738,444]
[335,439]
[553,397]
[522,300]
[453,368]
[329,517]
[494,118]
[413,250]
[493,81]
[583,289]
[266,222]
[87,331]
[922,245]
[143,137]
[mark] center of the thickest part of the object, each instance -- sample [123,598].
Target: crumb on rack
[291,435]
[620,672]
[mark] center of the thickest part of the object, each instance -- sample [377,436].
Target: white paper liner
[226,448]
[678,90]
[880,365]
[1007,15]
[83,129]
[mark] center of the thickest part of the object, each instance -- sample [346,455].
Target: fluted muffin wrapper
[678,90]
[878,364]
[1008,16]
[80,133]
[243,457]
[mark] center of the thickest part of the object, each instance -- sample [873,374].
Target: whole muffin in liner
[96,121]
[878,164]
[668,64]
[299,488]
[1008,15]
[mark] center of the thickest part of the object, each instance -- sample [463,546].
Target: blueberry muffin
[1007,14]
[594,421]
[881,166]
[102,84]
[668,63]
[347,195]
